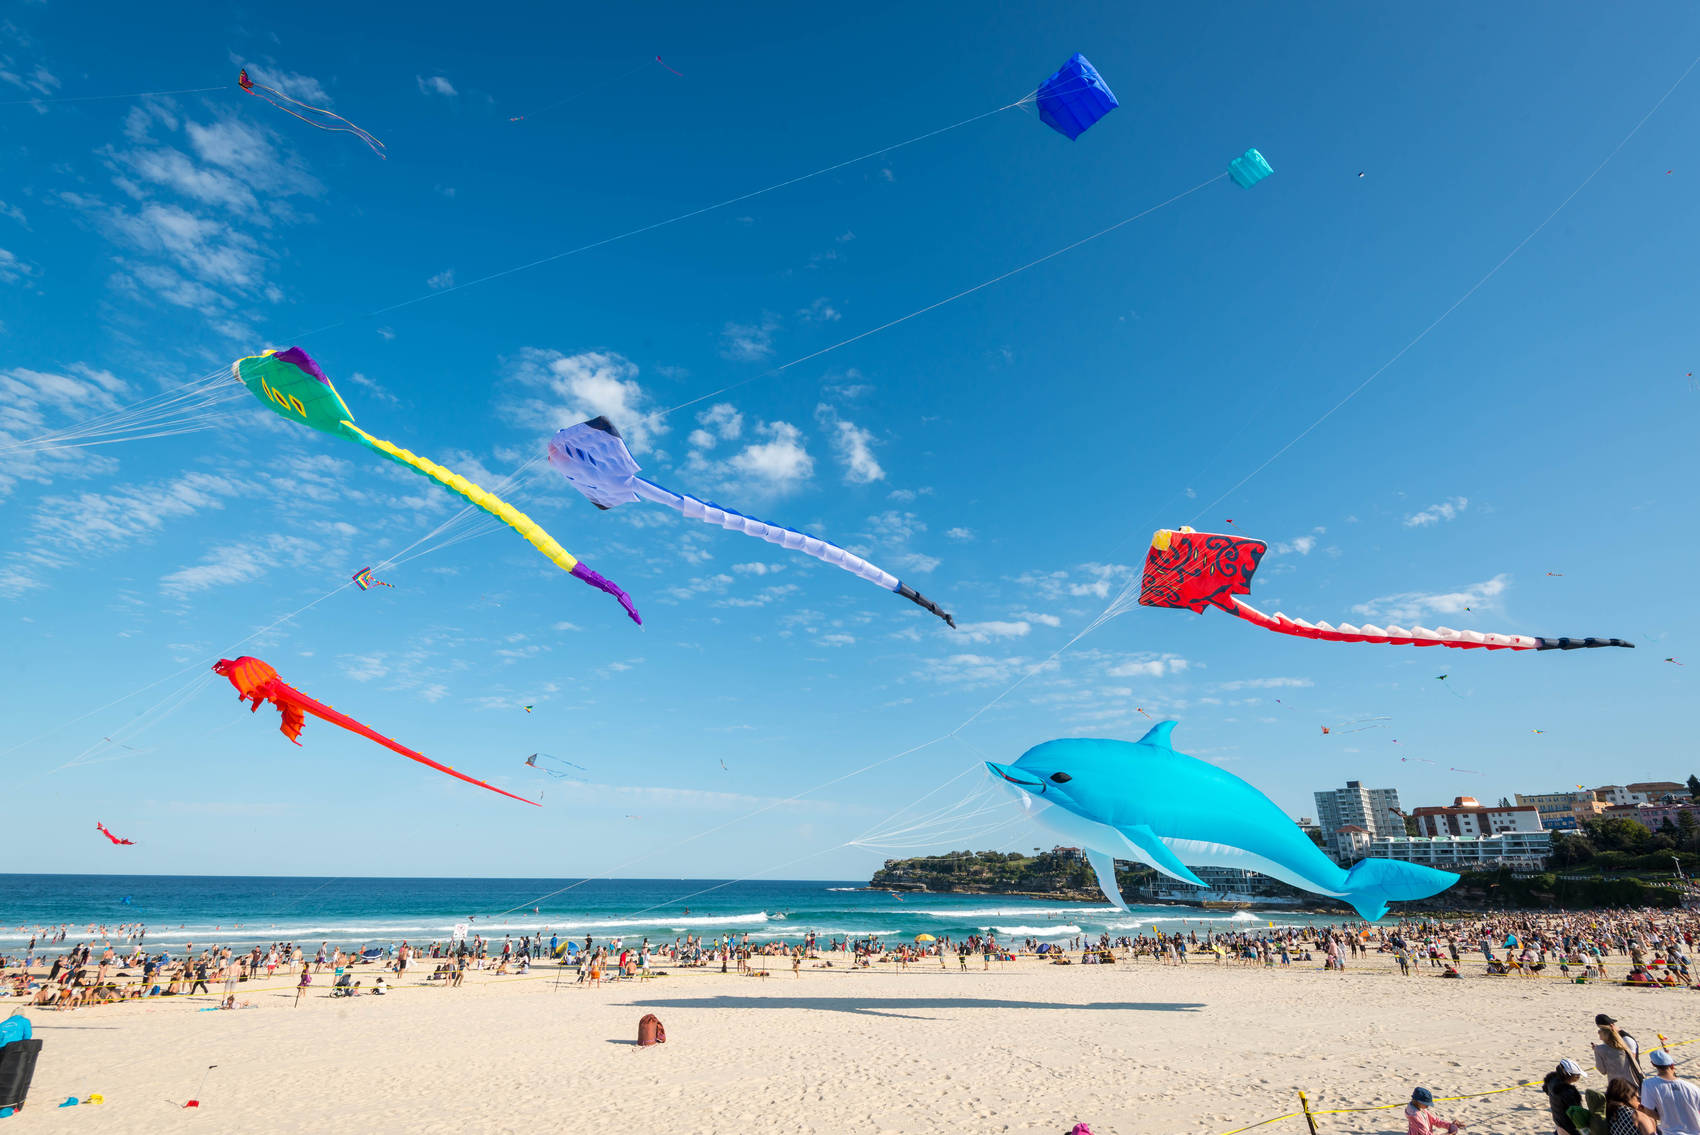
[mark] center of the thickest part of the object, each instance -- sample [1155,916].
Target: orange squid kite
[256,681]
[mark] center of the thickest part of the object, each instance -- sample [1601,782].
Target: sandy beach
[1027,1046]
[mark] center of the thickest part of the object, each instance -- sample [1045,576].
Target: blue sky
[1008,454]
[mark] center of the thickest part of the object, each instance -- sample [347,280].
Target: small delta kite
[593,457]
[364,581]
[1196,570]
[291,385]
[105,831]
[257,682]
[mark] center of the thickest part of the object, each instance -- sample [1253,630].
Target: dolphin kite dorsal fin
[1159,735]
[1159,855]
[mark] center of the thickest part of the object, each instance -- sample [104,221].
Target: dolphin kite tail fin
[1373,883]
[501,510]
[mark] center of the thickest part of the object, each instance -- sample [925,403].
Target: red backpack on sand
[651,1031]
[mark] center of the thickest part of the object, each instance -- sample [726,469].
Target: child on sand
[1421,1120]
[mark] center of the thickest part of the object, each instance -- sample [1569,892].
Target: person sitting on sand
[1450,971]
[1421,1120]
[1563,1094]
[379,988]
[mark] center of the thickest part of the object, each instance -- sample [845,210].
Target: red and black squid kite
[107,832]
[1196,570]
[256,681]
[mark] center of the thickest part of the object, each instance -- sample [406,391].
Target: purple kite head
[295,356]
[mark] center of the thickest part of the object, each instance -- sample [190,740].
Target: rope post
[1310,1118]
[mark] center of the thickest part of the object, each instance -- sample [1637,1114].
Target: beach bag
[651,1031]
[17,1069]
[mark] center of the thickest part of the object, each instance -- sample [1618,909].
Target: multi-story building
[1509,849]
[1660,791]
[1375,810]
[1557,809]
[1468,816]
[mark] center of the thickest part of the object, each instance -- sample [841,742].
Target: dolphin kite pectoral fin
[1158,854]
[1105,868]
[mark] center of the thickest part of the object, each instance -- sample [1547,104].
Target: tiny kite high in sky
[594,458]
[1071,100]
[105,831]
[1196,570]
[316,116]
[292,386]
[364,581]
[256,681]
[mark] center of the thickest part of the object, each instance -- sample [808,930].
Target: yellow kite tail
[502,511]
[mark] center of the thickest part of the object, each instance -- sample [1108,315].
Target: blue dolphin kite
[1143,801]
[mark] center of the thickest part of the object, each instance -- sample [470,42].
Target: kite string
[239,642]
[1461,300]
[652,226]
[941,303]
[106,98]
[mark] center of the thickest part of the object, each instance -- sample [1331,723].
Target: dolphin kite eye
[1061,777]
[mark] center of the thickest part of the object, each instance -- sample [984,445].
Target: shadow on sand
[888,1006]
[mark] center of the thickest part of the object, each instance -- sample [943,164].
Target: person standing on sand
[1630,1044]
[1674,1103]
[1612,1058]
[301,987]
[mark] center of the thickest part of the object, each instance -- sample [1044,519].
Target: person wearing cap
[1563,1094]
[1674,1103]
[1420,1119]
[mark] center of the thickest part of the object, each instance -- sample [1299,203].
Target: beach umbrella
[925,938]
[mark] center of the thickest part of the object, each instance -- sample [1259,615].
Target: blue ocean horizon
[380,911]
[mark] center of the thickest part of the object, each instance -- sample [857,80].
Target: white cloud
[373,388]
[576,387]
[1266,684]
[720,422]
[837,638]
[749,342]
[435,85]
[853,445]
[963,534]
[386,333]
[771,594]
[1148,666]
[994,629]
[364,667]
[917,562]
[1436,513]
[13,269]
[1413,606]
[1037,617]
[821,311]
[14,213]
[1302,545]
[974,670]
[443,279]
[225,565]
[1088,581]
[779,464]
[758,569]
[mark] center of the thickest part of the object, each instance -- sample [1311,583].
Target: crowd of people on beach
[1647,948]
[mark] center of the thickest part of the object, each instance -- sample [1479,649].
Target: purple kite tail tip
[602,583]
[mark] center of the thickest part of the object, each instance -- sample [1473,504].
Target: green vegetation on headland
[1610,863]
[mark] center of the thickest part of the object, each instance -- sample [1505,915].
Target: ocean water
[246,910]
